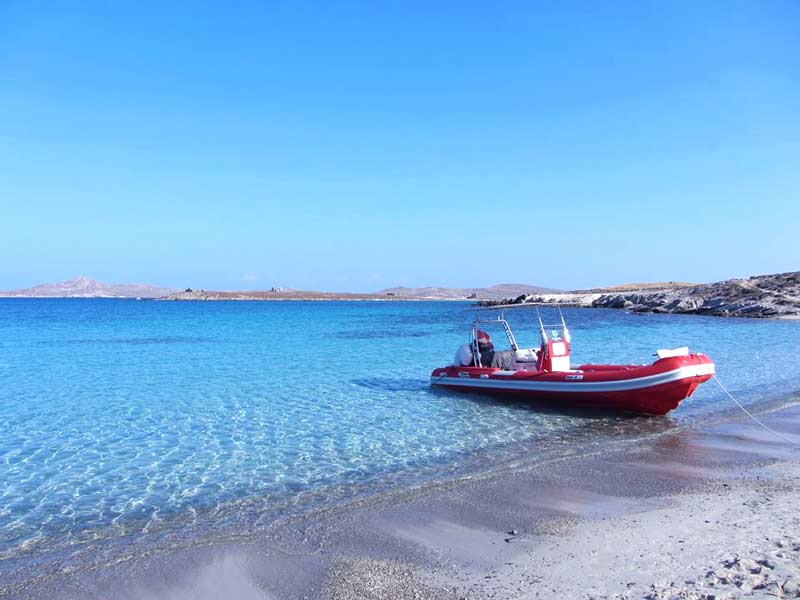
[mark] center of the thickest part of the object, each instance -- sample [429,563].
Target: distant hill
[635,287]
[85,287]
[493,292]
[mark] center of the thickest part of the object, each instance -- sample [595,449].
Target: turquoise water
[121,418]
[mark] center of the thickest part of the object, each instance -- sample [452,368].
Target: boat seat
[670,352]
[526,355]
[526,359]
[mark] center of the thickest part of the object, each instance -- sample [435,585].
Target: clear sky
[361,145]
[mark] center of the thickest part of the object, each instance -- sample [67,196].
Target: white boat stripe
[535,385]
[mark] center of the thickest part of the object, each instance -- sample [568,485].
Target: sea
[128,426]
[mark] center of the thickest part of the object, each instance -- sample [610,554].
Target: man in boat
[503,359]
[486,348]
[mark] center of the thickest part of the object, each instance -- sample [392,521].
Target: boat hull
[652,389]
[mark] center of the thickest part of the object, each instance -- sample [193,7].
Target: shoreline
[452,539]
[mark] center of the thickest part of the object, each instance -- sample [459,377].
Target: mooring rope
[752,416]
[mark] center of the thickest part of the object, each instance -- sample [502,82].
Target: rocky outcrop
[580,299]
[763,296]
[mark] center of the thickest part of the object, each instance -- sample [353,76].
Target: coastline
[235,297]
[659,512]
[775,296]
[564,300]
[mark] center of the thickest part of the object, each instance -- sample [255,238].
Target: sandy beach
[708,512]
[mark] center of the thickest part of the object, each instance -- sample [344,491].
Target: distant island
[762,296]
[494,292]
[86,287]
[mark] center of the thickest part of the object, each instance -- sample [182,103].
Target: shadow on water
[585,420]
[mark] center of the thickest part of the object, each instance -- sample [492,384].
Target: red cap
[483,337]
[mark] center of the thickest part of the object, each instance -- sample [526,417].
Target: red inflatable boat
[545,374]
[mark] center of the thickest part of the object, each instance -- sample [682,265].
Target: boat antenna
[567,336]
[541,326]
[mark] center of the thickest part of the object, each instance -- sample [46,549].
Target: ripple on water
[120,417]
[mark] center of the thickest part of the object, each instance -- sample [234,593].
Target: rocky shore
[763,296]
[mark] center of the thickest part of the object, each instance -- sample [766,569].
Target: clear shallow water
[122,417]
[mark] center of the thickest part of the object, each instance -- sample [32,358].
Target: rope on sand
[749,414]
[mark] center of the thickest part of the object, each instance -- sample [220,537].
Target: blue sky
[360,145]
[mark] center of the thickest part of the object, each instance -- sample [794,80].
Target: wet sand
[694,513]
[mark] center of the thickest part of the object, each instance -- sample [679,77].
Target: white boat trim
[621,385]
